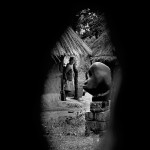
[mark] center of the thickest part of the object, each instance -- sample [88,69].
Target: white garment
[69,86]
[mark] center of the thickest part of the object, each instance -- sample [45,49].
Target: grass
[67,133]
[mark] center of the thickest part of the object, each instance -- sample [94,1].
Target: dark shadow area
[36,28]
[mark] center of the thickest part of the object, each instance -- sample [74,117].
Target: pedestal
[97,120]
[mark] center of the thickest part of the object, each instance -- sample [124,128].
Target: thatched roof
[104,58]
[102,49]
[70,44]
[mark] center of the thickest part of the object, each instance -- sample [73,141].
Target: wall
[53,83]
[84,62]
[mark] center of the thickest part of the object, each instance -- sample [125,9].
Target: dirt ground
[66,128]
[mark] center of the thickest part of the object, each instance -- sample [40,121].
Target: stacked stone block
[97,120]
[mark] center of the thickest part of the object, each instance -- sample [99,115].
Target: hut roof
[104,58]
[102,49]
[70,44]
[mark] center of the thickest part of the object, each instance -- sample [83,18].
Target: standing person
[69,76]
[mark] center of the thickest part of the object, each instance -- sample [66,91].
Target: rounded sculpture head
[99,80]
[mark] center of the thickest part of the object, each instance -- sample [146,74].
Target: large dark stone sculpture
[98,84]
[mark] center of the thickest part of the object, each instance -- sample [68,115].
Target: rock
[89,116]
[95,125]
[102,116]
[97,116]
[99,106]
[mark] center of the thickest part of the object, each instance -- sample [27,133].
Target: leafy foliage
[90,24]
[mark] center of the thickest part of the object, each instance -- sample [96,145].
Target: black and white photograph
[79,76]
